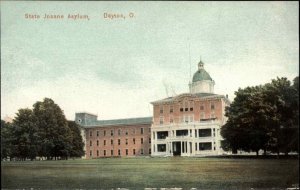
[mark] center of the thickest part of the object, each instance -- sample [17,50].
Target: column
[186,150]
[167,147]
[181,146]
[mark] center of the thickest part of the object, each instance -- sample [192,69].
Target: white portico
[188,139]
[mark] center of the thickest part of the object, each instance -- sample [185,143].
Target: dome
[201,74]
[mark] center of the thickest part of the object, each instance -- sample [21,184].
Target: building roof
[128,121]
[201,75]
[197,95]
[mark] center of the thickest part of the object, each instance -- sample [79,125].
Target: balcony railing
[183,124]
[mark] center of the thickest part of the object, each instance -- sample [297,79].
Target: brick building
[189,124]
[115,138]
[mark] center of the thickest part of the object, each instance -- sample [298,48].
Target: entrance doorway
[176,148]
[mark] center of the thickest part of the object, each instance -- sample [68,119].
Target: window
[161,120]
[149,150]
[161,110]
[97,143]
[104,133]
[91,133]
[186,119]
[119,141]
[133,131]
[186,106]
[201,107]
[142,151]
[162,134]
[181,109]
[204,132]
[202,116]
[212,106]
[196,146]
[205,146]
[126,152]
[112,133]
[97,152]
[183,132]
[191,118]
[212,115]
[104,142]
[171,109]
[119,152]
[119,132]
[191,105]
[149,130]
[126,132]
[133,140]
[91,143]
[91,153]
[133,151]
[111,142]
[97,133]
[111,152]
[126,141]
[161,148]
[149,140]
[142,130]
[104,152]
[142,141]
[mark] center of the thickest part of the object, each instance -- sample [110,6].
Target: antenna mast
[190,59]
[190,83]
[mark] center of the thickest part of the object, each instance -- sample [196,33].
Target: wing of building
[115,138]
[189,124]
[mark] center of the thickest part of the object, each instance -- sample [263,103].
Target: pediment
[185,96]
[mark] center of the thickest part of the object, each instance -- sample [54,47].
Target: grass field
[140,173]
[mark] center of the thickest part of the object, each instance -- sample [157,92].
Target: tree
[54,133]
[282,97]
[25,135]
[5,140]
[77,143]
[264,117]
[245,128]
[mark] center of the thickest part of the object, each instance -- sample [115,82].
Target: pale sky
[115,67]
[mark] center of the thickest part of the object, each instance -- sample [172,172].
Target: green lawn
[140,173]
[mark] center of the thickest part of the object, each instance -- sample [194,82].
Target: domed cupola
[202,82]
[201,74]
